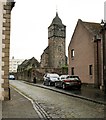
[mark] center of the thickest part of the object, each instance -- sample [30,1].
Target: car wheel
[55,84]
[63,86]
[49,83]
[43,83]
[79,88]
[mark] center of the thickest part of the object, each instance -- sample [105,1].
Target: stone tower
[56,43]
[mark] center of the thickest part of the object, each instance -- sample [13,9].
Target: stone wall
[1,22]
[6,8]
[38,73]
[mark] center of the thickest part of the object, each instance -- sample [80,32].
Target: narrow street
[59,105]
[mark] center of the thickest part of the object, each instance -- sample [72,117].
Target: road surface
[59,105]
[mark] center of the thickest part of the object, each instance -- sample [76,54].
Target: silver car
[50,78]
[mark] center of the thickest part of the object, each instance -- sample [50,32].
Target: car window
[54,76]
[11,76]
[62,77]
[68,77]
[73,77]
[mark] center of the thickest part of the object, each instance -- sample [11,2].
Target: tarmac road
[59,105]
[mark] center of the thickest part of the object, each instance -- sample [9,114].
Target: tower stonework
[56,43]
[5,17]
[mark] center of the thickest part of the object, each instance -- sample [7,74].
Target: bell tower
[56,29]
[56,43]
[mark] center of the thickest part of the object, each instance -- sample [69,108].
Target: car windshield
[11,76]
[54,76]
[63,76]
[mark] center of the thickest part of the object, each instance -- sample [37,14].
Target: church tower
[56,43]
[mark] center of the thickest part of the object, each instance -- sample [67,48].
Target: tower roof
[57,20]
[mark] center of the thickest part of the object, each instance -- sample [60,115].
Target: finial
[56,11]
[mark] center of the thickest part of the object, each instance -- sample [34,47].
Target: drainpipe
[96,40]
[104,57]
[103,33]
[98,83]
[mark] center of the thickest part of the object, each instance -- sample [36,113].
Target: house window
[72,70]
[90,70]
[72,53]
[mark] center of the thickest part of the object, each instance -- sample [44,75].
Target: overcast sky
[31,18]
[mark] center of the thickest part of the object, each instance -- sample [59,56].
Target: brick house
[5,20]
[84,53]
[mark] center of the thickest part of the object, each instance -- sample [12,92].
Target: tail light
[79,82]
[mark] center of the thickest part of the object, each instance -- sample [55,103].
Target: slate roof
[92,27]
[57,21]
[27,62]
[47,50]
[24,63]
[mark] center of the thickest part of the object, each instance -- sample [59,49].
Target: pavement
[18,107]
[21,107]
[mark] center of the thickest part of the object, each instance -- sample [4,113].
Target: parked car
[68,81]
[11,77]
[50,78]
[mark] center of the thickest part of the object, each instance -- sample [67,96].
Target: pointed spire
[56,14]
[56,20]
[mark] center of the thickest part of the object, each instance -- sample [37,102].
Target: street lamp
[102,23]
[103,32]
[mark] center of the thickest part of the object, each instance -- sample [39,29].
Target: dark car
[11,77]
[68,81]
[50,78]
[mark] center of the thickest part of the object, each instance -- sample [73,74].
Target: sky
[30,21]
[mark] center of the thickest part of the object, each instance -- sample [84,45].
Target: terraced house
[5,20]
[84,53]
